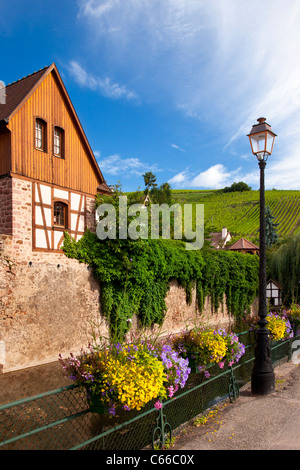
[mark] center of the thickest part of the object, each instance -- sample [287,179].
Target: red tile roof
[243,244]
[17,91]
[103,187]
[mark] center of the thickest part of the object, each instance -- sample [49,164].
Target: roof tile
[243,244]
[17,91]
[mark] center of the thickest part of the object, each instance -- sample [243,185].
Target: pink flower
[158,405]
[221,365]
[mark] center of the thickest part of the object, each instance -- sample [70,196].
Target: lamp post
[262,379]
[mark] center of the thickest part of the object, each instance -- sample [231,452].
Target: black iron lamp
[263,378]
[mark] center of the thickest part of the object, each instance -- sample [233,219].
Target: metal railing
[60,419]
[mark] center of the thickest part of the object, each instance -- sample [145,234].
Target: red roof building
[245,246]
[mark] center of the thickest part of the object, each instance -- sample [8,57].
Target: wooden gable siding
[76,170]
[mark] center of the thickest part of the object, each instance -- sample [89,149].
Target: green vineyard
[239,211]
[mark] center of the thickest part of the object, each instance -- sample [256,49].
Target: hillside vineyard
[239,211]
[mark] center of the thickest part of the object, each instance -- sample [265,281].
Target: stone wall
[16,218]
[50,304]
[180,315]
[6,206]
[45,309]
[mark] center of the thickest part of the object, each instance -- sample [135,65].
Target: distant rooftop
[243,244]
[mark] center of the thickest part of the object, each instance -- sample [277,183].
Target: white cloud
[115,165]
[97,9]
[207,56]
[279,174]
[177,147]
[104,85]
[215,177]
[179,179]
[222,62]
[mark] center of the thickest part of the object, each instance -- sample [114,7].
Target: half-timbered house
[49,179]
[43,145]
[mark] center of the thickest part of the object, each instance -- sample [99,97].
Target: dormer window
[40,135]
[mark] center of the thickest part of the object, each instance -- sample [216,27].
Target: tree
[161,195]
[271,234]
[150,181]
[241,186]
[284,265]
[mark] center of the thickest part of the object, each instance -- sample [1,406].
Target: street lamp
[263,378]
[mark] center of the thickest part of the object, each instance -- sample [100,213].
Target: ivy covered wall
[135,276]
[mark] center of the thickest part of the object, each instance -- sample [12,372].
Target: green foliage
[232,274]
[284,267]
[239,211]
[271,227]
[150,181]
[161,195]
[135,276]
[241,186]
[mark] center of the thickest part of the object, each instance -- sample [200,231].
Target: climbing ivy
[135,274]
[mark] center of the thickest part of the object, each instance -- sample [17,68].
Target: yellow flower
[135,381]
[276,326]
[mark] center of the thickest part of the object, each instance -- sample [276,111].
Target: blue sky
[169,86]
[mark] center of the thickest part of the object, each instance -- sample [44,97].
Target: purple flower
[72,377]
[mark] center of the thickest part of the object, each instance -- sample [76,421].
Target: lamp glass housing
[262,139]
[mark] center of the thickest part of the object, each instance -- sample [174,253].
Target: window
[60,215]
[40,135]
[274,294]
[58,142]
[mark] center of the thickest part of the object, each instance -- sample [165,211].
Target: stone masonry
[50,304]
